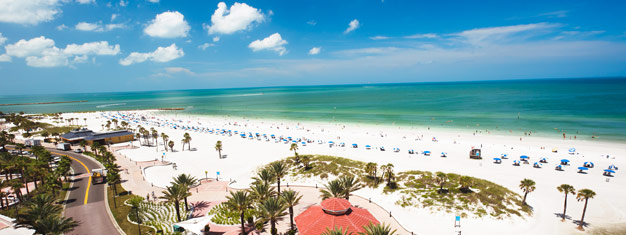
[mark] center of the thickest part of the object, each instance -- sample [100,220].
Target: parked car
[78,150]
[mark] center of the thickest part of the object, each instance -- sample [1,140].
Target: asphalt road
[86,202]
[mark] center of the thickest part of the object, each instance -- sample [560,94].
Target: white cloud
[5,58]
[315,50]
[114,16]
[61,27]
[240,16]
[153,1]
[96,48]
[169,24]
[216,39]
[32,47]
[29,11]
[50,57]
[353,25]
[485,36]
[178,70]
[2,39]
[41,51]
[97,27]
[85,1]
[311,22]
[379,38]
[558,14]
[123,3]
[424,35]
[206,45]
[84,26]
[161,54]
[274,42]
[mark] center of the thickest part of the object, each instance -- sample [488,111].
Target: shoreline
[36,103]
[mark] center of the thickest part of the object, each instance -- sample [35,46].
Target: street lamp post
[206,175]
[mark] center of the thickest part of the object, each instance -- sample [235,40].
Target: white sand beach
[245,155]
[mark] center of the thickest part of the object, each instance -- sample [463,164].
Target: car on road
[78,150]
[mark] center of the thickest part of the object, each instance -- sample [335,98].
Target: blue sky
[61,46]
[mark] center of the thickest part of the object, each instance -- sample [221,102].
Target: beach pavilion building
[331,213]
[113,137]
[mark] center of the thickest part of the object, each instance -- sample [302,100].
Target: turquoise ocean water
[582,107]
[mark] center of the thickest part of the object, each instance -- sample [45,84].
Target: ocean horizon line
[335,85]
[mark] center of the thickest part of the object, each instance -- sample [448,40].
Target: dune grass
[419,188]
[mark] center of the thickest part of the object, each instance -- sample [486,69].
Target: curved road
[86,202]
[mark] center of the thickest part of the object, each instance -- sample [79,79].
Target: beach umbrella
[294,141]
[572,150]
[612,167]
[523,157]
[564,160]
[331,142]
[497,159]
[426,152]
[367,146]
[536,164]
[609,171]
[354,145]
[590,164]
[504,155]
[303,143]
[515,161]
[582,168]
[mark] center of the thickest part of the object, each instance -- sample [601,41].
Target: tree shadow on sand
[560,215]
[577,222]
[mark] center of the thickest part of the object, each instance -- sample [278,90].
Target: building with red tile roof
[333,212]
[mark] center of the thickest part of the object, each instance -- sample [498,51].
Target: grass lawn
[121,212]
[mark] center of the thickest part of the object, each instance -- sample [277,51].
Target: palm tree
[218,148]
[83,144]
[174,193]
[291,198]
[279,170]
[114,178]
[336,231]
[334,188]
[155,136]
[42,215]
[186,181]
[265,175]
[441,179]
[378,229]
[306,161]
[584,194]
[371,169]
[466,182]
[165,138]
[294,148]
[171,145]
[272,209]
[387,172]
[349,184]
[135,209]
[187,140]
[567,189]
[527,186]
[261,191]
[239,201]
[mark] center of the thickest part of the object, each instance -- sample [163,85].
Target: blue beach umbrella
[572,150]
[331,142]
[367,146]
[516,162]
[582,168]
[590,164]
[523,157]
[612,167]
[354,145]
[497,159]
[426,152]
[610,171]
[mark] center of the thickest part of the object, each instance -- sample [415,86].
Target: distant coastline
[59,102]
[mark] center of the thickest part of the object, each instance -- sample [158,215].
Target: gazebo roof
[333,212]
